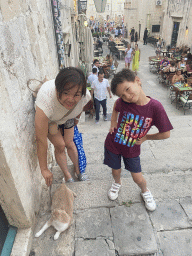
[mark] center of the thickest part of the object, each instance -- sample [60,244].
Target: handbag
[81,153]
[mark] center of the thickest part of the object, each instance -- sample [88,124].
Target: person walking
[99,88]
[92,76]
[136,37]
[136,59]
[145,36]
[128,56]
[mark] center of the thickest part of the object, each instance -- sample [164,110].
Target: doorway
[4,227]
[175,34]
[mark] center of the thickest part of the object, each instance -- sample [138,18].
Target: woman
[182,63]
[128,56]
[177,77]
[136,59]
[59,103]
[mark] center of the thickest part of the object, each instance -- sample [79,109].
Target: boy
[137,113]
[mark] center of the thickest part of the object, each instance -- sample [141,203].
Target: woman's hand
[48,176]
[76,121]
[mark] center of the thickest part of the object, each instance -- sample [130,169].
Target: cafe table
[180,88]
[121,50]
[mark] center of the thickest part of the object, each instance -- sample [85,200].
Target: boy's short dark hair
[120,77]
[95,60]
[68,78]
[100,72]
[94,70]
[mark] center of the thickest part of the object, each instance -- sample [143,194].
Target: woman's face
[70,97]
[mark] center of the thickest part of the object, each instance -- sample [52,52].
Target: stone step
[93,193]
[122,227]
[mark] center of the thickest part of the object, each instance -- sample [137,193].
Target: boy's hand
[141,140]
[113,126]
[48,176]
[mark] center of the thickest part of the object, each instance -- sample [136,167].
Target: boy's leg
[113,161]
[117,175]
[145,192]
[140,181]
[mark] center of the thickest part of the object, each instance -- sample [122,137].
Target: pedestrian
[99,88]
[59,105]
[136,58]
[136,37]
[125,32]
[145,36]
[132,36]
[133,115]
[96,64]
[116,32]
[92,76]
[128,56]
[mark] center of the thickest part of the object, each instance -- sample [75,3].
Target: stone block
[93,223]
[186,204]
[175,243]
[93,247]
[169,215]
[133,232]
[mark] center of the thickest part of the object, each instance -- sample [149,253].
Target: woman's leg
[71,148]
[60,155]
[140,181]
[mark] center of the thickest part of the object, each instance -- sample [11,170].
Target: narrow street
[124,227]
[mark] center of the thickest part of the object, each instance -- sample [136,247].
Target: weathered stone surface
[93,248]
[175,243]
[186,203]
[133,233]
[169,215]
[46,245]
[93,223]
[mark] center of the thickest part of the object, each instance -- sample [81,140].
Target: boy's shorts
[114,161]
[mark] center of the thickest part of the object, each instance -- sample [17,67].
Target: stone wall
[178,11]
[27,51]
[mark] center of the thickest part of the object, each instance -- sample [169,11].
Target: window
[155,28]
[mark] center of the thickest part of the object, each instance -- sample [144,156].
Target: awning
[100,5]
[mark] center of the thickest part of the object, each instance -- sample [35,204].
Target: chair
[172,94]
[169,79]
[186,101]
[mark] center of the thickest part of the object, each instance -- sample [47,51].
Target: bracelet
[77,118]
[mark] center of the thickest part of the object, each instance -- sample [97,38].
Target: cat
[61,211]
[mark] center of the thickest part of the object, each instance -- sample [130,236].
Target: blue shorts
[114,162]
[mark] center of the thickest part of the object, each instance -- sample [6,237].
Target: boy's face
[130,91]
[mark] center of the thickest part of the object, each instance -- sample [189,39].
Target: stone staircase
[123,227]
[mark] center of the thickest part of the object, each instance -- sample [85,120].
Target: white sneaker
[149,201]
[113,191]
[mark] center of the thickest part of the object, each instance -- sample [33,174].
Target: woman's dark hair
[120,77]
[68,78]
[172,63]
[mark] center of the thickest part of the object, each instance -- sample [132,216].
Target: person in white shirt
[100,87]
[59,105]
[116,32]
[96,65]
[128,56]
[92,77]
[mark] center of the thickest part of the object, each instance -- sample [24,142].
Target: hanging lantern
[100,5]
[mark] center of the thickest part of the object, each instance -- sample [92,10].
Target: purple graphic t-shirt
[134,122]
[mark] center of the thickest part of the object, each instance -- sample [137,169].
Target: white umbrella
[100,5]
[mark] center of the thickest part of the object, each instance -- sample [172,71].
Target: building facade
[33,45]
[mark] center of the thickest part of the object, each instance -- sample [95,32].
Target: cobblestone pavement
[124,227]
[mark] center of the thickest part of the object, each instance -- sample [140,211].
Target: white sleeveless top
[48,102]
